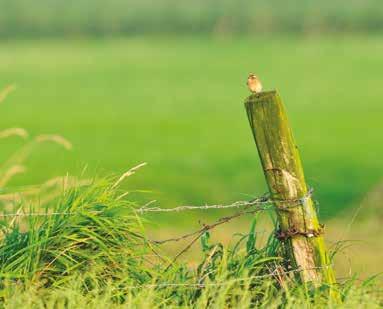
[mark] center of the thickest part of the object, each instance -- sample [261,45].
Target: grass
[89,249]
[85,233]
[95,18]
[95,254]
[178,105]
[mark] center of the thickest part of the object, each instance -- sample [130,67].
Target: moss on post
[300,230]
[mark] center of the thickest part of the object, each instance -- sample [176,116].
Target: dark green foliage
[222,17]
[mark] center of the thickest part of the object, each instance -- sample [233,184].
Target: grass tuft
[90,250]
[87,229]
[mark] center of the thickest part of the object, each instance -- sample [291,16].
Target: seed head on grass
[6,91]
[14,132]
[58,139]
[93,232]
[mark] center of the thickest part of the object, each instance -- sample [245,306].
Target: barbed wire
[276,272]
[37,214]
[143,209]
[263,203]
[262,200]
[207,227]
[249,207]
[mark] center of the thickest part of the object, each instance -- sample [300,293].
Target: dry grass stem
[58,139]
[6,91]
[131,172]
[10,173]
[14,132]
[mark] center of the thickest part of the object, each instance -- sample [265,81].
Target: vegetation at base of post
[96,254]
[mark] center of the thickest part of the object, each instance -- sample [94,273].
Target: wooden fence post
[300,232]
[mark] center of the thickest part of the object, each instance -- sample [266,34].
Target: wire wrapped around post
[300,230]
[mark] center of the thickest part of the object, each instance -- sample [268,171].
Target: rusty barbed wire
[293,231]
[207,227]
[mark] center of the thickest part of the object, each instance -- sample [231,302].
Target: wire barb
[226,282]
[264,202]
[37,214]
[258,201]
[283,204]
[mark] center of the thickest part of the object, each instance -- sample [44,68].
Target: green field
[178,105]
[54,18]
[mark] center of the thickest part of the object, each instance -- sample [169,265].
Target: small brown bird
[254,83]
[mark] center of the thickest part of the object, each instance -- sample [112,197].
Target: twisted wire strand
[259,201]
[226,282]
[238,204]
[263,200]
[36,214]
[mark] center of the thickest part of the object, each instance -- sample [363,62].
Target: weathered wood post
[300,232]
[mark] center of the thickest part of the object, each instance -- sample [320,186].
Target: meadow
[53,18]
[178,105]
[90,251]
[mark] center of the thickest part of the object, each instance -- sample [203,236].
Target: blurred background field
[130,17]
[164,83]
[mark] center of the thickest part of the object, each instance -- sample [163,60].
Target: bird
[254,83]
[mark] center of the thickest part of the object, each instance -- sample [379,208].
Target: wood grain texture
[285,178]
